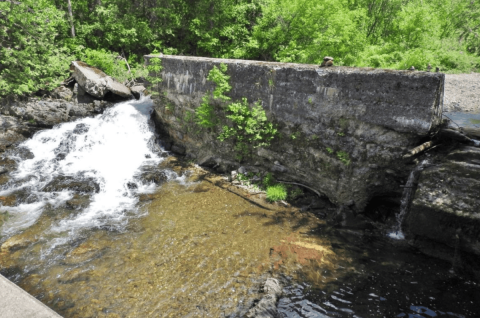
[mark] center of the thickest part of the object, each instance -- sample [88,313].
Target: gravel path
[462,93]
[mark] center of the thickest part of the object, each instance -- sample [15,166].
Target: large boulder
[12,131]
[97,83]
[40,113]
[62,92]
[446,206]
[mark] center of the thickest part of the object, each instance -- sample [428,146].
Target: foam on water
[109,149]
[396,235]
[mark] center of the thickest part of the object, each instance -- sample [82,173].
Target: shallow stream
[98,221]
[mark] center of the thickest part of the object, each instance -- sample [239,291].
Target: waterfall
[106,152]
[406,201]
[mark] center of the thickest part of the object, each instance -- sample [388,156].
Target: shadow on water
[376,277]
[363,275]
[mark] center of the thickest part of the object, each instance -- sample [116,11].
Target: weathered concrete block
[340,128]
[446,206]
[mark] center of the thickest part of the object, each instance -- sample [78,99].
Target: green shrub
[248,127]
[205,114]
[295,193]
[31,58]
[276,192]
[154,68]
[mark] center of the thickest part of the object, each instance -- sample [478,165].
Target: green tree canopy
[30,57]
[37,43]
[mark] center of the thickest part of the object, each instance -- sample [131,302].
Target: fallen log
[423,147]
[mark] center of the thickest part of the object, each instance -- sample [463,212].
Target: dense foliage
[36,42]
[30,57]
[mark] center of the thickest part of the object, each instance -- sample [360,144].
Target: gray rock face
[97,83]
[446,206]
[21,119]
[85,185]
[40,113]
[62,92]
[340,128]
[82,96]
[12,131]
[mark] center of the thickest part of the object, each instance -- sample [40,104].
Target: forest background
[39,38]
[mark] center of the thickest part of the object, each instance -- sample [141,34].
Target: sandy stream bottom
[198,250]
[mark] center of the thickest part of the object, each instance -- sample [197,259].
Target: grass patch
[276,192]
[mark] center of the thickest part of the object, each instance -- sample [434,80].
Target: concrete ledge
[17,303]
[403,101]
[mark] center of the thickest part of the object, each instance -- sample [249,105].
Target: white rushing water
[406,200]
[108,150]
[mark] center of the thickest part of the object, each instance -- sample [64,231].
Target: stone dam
[344,132]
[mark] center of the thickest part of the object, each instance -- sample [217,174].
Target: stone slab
[405,101]
[97,83]
[17,303]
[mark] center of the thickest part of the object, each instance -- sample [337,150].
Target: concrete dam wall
[342,130]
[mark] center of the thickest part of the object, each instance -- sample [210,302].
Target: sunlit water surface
[194,246]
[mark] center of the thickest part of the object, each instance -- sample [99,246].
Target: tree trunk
[70,14]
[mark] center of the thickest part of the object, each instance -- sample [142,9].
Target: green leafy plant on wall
[343,157]
[249,124]
[248,127]
[154,68]
[205,114]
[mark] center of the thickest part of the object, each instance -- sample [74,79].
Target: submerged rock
[267,306]
[78,202]
[156,176]
[8,200]
[85,185]
[17,242]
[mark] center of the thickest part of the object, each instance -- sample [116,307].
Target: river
[99,221]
